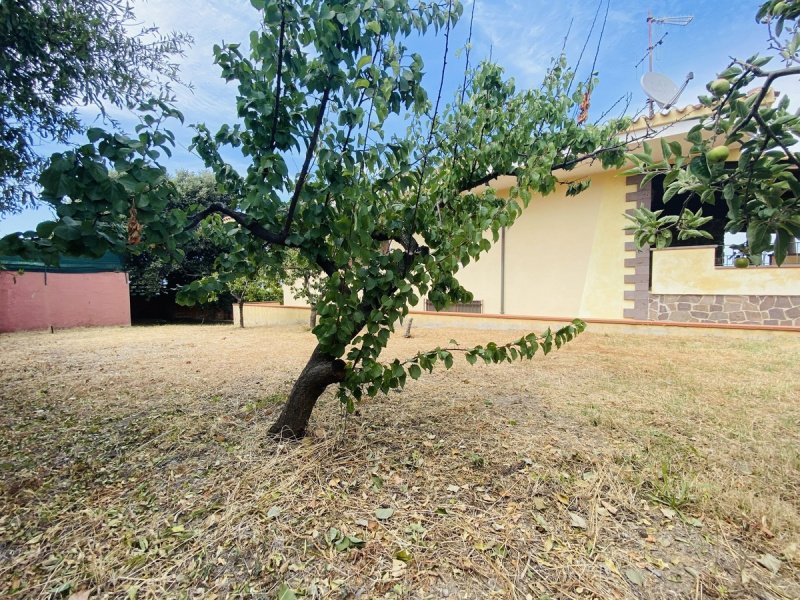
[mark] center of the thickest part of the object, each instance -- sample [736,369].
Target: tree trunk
[407,332]
[320,372]
[312,318]
[241,313]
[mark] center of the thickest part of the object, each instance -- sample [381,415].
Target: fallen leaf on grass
[694,522]
[286,593]
[398,568]
[635,576]
[770,562]
[609,507]
[384,513]
[609,564]
[403,555]
[82,595]
[539,503]
[541,524]
[577,521]
[274,512]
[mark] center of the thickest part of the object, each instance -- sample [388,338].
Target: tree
[306,282]
[386,217]
[58,54]
[262,286]
[198,273]
[248,277]
[761,188]
[151,273]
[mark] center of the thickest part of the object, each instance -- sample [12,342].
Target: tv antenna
[659,88]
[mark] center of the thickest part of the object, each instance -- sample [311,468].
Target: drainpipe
[503,271]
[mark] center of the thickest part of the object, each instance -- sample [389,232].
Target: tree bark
[241,313]
[320,372]
[312,318]
[407,332]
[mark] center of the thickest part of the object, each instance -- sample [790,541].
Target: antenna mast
[681,21]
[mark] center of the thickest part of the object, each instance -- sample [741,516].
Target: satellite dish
[661,89]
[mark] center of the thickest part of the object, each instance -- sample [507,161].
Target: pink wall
[67,300]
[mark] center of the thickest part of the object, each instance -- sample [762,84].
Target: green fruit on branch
[718,154]
[741,262]
[719,86]
[779,8]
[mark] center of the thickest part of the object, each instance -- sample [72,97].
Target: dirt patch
[135,461]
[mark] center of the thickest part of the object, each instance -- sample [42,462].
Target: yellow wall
[482,278]
[270,313]
[288,297]
[564,256]
[691,270]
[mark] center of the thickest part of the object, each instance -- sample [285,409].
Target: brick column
[637,283]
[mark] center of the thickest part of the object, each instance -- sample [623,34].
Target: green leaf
[382,514]
[363,62]
[285,593]
[414,371]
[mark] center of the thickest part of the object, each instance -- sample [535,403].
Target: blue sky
[521,35]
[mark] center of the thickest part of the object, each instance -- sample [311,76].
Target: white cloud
[209,22]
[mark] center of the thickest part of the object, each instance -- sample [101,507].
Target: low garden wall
[39,300]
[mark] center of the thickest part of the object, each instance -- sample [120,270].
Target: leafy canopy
[151,273]
[60,54]
[386,217]
[760,187]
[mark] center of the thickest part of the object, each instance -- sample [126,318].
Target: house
[570,256]
[80,292]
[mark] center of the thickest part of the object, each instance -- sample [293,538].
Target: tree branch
[409,244]
[312,145]
[768,130]
[770,77]
[435,115]
[278,81]
[242,219]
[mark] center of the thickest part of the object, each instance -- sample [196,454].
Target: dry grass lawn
[134,463]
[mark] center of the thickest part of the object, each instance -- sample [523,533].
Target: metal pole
[503,271]
[650,103]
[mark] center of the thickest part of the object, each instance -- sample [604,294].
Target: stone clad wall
[756,310]
[638,259]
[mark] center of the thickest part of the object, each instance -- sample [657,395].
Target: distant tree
[261,287]
[59,54]
[387,218]
[306,282]
[152,273]
[762,187]
[253,277]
